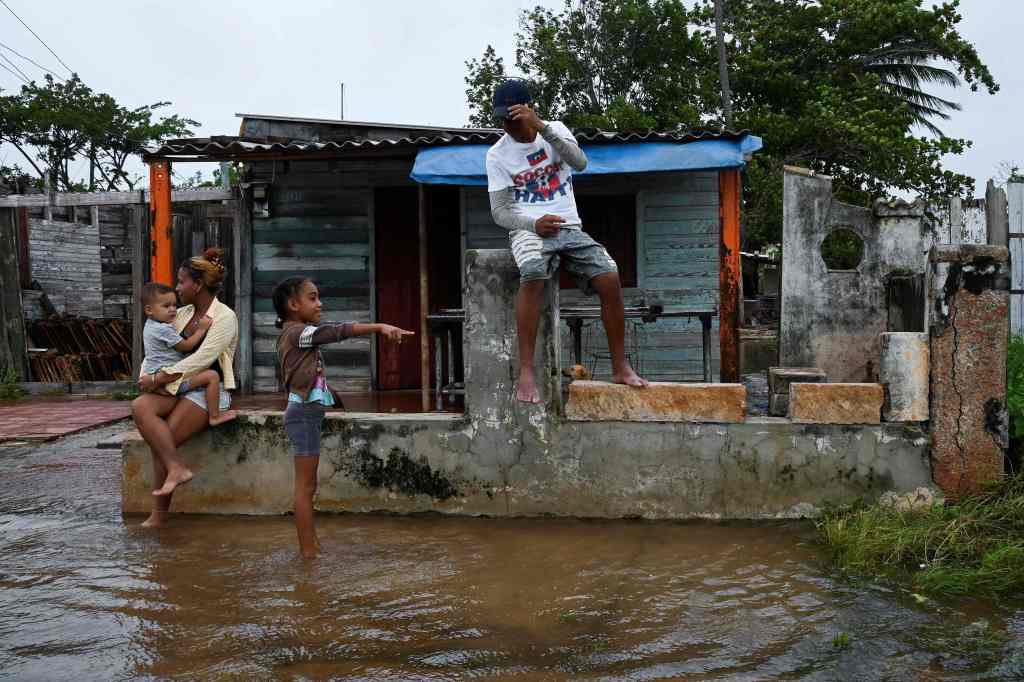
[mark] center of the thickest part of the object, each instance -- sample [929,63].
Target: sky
[401,61]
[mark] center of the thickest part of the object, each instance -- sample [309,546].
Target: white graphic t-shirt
[541,182]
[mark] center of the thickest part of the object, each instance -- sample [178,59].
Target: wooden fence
[1015,233]
[112,229]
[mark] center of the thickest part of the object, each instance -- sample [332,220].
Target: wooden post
[24,255]
[13,339]
[424,304]
[139,239]
[956,220]
[1015,209]
[997,217]
[162,263]
[729,274]
[242,235]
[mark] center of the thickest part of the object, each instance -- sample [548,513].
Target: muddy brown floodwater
[87,595]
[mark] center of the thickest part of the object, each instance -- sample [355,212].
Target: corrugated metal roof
[362,124]
[224,146]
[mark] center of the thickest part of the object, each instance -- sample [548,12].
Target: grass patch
[973,547]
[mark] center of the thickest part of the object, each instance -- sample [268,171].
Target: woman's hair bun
[209,268]
[215,257]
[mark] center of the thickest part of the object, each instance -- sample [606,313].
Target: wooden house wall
[677,261]
[65,260]
[320,224]
[116,258]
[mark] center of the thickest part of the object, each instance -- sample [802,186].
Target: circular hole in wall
[843,249]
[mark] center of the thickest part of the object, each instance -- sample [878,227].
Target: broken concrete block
[969,332]
[779,379]
[903,371]
[778,404]
[659,402]
[836,403]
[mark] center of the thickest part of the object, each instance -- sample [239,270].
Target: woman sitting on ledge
[165,420]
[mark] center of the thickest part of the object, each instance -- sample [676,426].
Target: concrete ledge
[659,402]
[836,403]
[764,468]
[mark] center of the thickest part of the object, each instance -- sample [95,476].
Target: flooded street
[87,595]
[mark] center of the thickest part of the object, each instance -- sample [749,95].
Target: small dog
[576,373]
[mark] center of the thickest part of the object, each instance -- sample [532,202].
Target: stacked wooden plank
[80,349]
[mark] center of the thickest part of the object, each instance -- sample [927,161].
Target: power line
[29,60]
[13,74]
[14,66]
[37,36]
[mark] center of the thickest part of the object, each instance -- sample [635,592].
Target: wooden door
[396,229]
[611,221]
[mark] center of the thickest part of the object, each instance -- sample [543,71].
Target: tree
[126,132]
[618,64]
[56,123]
[833,85]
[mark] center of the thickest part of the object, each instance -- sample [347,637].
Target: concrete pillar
[903,371]
[969,336]
[490,341]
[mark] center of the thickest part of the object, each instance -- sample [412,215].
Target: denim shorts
[198,396]
[302,424]
[539,258]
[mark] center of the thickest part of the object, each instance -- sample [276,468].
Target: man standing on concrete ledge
[529,178]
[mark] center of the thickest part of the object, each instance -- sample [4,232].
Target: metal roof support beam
[729,274]
[161,244]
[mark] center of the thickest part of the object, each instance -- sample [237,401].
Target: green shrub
[1015,385]
[131,394]
[9,388]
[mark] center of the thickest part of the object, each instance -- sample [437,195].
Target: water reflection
[85,595]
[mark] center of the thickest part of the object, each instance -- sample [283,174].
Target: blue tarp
[464,164]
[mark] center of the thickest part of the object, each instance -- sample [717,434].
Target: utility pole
[723,66]
[341,107]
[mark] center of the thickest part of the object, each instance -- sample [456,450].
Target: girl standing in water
[298,306]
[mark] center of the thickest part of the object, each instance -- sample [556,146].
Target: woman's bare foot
[527,390]
[630,378]
[173,480]
[155,520]
[224,417]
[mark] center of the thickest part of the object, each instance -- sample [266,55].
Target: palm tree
[905,68]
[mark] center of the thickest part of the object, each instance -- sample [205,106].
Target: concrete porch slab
[659,402]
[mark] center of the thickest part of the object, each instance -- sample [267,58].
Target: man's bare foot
[630,378]
[173,480]
[527,390]
[224,417]
[155,520]
[309,554]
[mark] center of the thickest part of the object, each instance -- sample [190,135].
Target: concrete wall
[969,335]
[507,458]
[766,468]
[832,319]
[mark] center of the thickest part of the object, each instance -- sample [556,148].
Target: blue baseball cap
[511,92]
